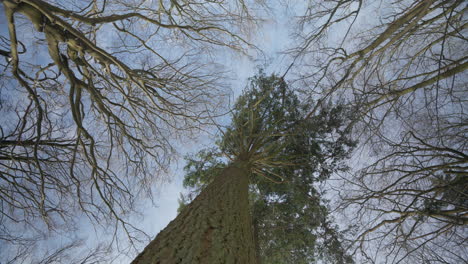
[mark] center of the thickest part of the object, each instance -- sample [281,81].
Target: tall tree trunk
[215,228]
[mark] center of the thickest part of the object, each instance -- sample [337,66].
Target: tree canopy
[95,94]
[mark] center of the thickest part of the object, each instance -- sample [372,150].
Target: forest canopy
[355,132]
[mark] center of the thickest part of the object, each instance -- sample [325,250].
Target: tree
[215,228]
[291,222]
[91,93]
[73,253]
[405,71]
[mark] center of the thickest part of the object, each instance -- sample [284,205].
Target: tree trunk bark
[214,228]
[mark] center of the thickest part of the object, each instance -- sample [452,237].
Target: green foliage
[201,168]
[289,155]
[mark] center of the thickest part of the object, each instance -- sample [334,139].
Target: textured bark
[215,228]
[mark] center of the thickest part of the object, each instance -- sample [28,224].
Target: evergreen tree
[288,156]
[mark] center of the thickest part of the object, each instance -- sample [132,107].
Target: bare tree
[66,252]
[402,64]
[91,94]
